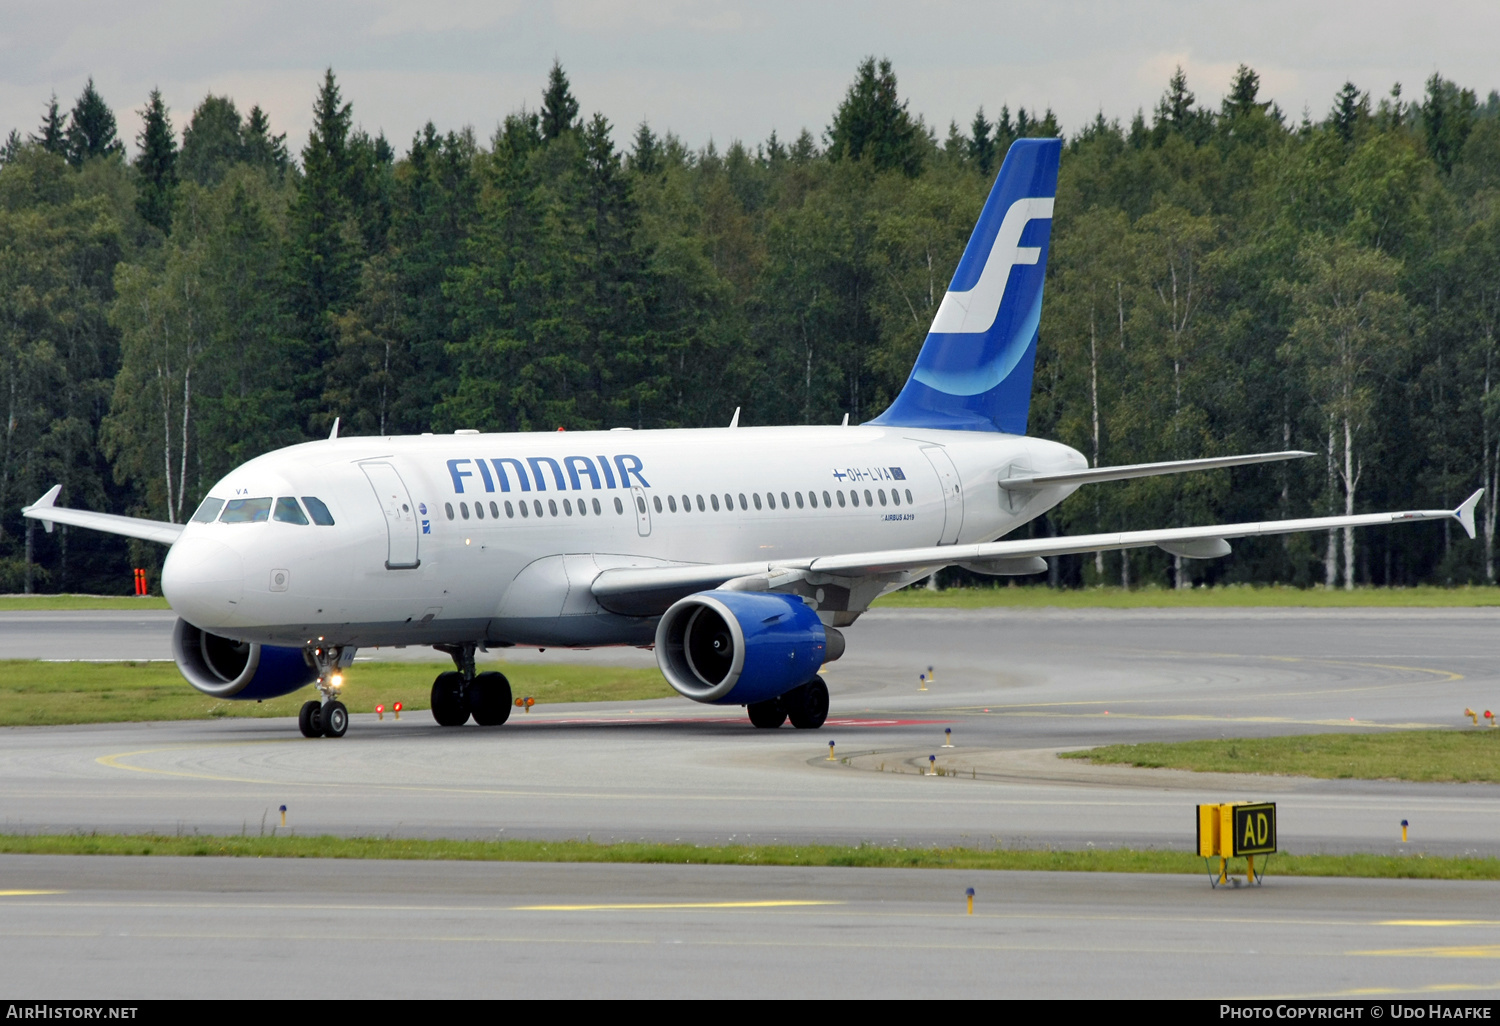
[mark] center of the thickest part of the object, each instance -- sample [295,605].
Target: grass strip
[44,602]
[1434,756]
[38,694]
[1416,866]
[1227,596]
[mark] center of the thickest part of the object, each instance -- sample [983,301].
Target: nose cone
[204,581]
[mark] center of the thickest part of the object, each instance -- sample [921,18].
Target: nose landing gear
[459,694]
[330,717]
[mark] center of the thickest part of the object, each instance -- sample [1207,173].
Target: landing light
[336,681]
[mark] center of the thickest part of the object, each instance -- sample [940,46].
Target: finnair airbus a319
[740,554]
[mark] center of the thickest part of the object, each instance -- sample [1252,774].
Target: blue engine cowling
[241,670]
[738,647]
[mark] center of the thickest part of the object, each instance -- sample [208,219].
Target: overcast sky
[718,69]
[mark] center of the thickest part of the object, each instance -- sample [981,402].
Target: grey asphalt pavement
[157,927]
[1014,687]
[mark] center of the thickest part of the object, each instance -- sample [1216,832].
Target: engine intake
[737,647]
[225,668]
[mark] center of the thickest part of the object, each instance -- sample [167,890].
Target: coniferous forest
[1221,280]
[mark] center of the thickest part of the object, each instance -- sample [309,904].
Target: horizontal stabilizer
[1125,473]
[46,510]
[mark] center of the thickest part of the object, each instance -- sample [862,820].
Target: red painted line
[639,720]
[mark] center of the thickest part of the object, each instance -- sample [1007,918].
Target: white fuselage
[447,568]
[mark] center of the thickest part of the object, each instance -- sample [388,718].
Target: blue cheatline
[974,371]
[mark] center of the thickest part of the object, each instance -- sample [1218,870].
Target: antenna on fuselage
[335,432]
[735,420]
[846,421]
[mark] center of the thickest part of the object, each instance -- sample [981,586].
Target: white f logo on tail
[974,311]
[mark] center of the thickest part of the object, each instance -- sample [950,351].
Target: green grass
[282,845]
[23,602]
[1434,756]
[37,693]
[1233,595]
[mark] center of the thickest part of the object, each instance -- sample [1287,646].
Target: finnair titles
[741,555]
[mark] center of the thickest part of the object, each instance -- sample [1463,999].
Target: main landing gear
[806,707]
[330,717]
[459,694]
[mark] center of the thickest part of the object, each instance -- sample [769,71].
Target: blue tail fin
[974,371]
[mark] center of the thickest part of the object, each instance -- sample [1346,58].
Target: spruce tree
[645,159]
[91,128]
[323,252]
[982,144]
[1350,108]
[559,109]
[12,147]
[54,132]
[872,123]
[261,148]
[157,164]
[1244,89]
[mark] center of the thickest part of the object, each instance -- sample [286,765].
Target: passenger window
[479,510]
[536,504]
[881,493]
[619,506]
[656,501]
[510,511]
[896,496]
[672,503]
[288,512]
[598,509]
[246,511]
[687,504]
[799,499]
[828,502]
[494,510]
[552,506]
[756,497]
[319,512]
[525,510]
[640,504]
[771,499]
[714,500]
[840,494]
[701,507]
[463,510]
[854,498]
[583,507]
[568,507]
[743,503]
[448,508]
[869,499]
[728,501]
[785,502]
[208,510]
[812,499]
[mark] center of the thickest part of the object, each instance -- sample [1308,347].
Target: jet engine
[225,668]
[739,647]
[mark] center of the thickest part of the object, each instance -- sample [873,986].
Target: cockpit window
[208,511]
[318,511]
[288,512]
[246,511]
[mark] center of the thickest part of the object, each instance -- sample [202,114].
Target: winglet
[49,500]
[735,420]
[335,432]
[1465,512]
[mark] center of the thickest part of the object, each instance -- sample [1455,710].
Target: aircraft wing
[650,590]
[46,510]
[1082,477]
